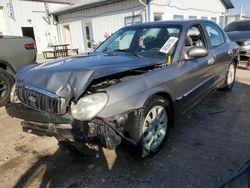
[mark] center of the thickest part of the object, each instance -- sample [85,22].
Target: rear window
[238,26]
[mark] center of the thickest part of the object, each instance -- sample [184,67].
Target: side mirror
[197,52]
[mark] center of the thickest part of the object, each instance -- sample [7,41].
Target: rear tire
[154,126]
[230,77]
[6,83]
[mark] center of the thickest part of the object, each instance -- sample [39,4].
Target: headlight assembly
[88,107]
[13,95]
[246,43]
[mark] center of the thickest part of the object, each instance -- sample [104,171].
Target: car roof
[169,22]
[240,21]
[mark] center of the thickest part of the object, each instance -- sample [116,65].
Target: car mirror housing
[197,51]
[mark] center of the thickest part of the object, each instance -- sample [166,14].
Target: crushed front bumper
[20,111]
[62,131]
[108,132]
[84,132]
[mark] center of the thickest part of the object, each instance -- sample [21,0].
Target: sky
[245,6]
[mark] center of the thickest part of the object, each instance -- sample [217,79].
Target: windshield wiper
[127,51]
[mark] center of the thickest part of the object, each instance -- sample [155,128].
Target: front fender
[130,95]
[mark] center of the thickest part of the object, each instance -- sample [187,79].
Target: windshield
[141,41]
[238,26]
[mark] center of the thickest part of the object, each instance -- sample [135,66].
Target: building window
[192,17]
[178,17]
[158,16]
[214,19]
[132,20]
[204,18]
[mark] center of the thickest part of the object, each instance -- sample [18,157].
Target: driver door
[197,76]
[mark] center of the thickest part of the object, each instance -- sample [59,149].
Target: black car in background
[239,32]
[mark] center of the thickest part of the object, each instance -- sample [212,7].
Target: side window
[214,19]
[132,20]
[158,16]
[195,37]
[192,17]
[215,34]
[178,17]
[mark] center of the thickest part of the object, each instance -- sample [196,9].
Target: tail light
[30,46]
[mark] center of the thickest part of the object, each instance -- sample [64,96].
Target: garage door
[2,22]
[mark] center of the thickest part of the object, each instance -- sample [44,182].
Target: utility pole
[241,11]
[149,10]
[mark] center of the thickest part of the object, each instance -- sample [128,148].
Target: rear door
[221,49]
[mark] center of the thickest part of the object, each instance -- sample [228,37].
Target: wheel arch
[165,95]
[157,96]
[168,97]
[7,67]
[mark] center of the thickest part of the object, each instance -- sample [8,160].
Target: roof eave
[83,6]
[51,1]
[227,4]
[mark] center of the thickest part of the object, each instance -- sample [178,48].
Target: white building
[81,24]
[31,18]
[232,16]
[236,17]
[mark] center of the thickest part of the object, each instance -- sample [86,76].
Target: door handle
[230,52]
[211,61]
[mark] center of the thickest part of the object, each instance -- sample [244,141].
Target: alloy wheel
[154,129]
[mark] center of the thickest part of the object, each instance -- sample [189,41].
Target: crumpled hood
[239,35]
[70,77]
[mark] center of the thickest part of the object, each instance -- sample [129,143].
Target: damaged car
[131,88]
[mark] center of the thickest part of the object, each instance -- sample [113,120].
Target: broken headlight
[88,107]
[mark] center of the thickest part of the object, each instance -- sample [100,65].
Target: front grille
[38,99]
[240,43]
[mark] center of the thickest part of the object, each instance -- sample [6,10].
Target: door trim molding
[195,88]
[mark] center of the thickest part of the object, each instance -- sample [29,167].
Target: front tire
[6,83]
[154,126]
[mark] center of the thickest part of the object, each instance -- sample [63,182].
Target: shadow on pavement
[94,169]
[238,179]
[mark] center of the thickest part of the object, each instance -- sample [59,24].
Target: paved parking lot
[209,142]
